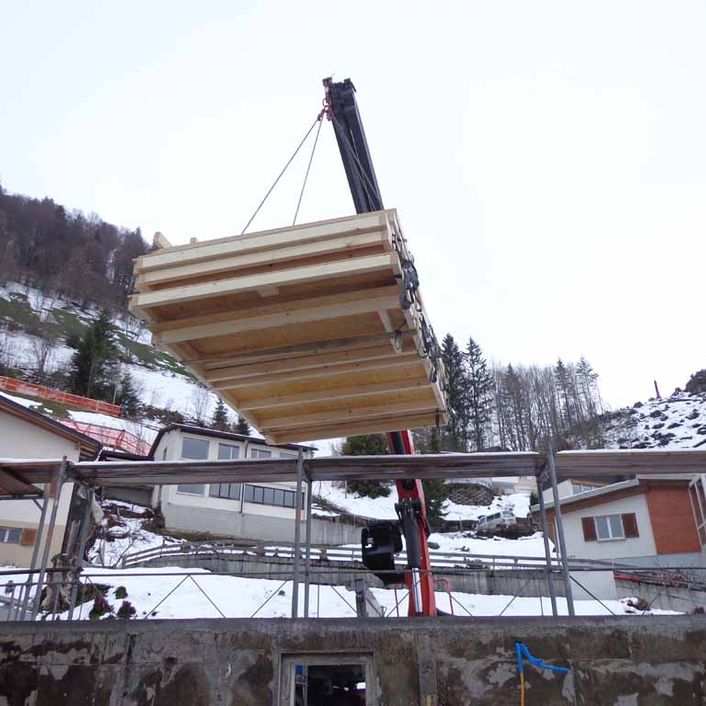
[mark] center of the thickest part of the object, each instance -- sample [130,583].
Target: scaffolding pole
[297,535]
[547,554]
[307,548]
[57,481]
[560,532]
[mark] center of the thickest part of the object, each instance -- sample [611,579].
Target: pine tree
[366,445]
[128,398]
[92,371]
[434,495]
[242,426]
[220,417]
[455,438]
[480,394]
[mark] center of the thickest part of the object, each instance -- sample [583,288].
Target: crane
[382,540]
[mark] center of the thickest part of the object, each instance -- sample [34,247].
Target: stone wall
[624,661]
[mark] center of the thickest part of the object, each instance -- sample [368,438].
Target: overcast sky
[548,160]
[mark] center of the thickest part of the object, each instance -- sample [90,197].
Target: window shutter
[630,525]
[28,536]
[589,529]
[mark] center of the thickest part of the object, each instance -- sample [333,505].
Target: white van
[496,521]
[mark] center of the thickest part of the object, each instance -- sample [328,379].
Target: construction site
[312,332]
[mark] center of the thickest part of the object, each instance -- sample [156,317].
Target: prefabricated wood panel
[310,332]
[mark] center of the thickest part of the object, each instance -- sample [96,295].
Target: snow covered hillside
[675,422]
[160,381]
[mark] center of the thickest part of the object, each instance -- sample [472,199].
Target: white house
[645,521]
[25,433]
[262,511]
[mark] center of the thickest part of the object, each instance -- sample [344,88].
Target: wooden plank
[351,415]
[226,382]
[301,362]
[284,255]
[332,394]
[278,237]
[268,316]
[318,348]
[335,431]
[231,285]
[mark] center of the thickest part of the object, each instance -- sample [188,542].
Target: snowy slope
[675,422]
[383,508]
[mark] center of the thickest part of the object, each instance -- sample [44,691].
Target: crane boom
[342,110]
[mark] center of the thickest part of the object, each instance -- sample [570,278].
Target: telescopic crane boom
[382,540]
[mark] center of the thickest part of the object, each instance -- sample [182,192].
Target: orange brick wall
[672,520]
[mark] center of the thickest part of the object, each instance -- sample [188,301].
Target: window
[192,489]
[196,449]
[287,454]
[260,453]
[271,496]
[608,527]
[228,491]
[10,535]
[227,452]
[577,488]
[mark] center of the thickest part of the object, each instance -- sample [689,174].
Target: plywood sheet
[311,332]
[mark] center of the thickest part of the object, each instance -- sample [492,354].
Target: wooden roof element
[310,332]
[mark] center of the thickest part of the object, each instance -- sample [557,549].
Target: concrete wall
[21,439]
[232,523]
[624,661]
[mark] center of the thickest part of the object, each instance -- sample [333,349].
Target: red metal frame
[416,492]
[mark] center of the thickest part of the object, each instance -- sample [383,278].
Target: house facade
[25,433]
[646,521]
[262,511]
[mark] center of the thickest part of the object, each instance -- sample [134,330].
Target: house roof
[608,492]
[203,431]
[88,447]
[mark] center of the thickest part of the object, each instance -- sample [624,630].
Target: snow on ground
[126,535]
[675,422]
[30,404]
[532,546]
[383,508]
[173,592]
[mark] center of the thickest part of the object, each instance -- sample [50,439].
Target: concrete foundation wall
[625,661]
[259,527]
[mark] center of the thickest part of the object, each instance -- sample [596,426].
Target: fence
[48,393]
[116,438]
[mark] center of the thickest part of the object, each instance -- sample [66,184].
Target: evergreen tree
[366,445]
[92,371]
[128,398]
[242,426]
[220,417]
[455,438]
[434,495]
[480,394]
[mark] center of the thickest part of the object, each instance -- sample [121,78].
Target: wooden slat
[355,415]
[388,362]
[279,256]
[305,311]
[319,348]
[347,429]
[279,237]
[233,285]
[334,393]
[298,362]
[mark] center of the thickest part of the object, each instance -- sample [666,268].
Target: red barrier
[48,393]
[115,438]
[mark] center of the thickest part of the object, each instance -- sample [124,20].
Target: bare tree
[199,404]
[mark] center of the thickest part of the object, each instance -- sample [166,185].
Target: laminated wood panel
[301,329]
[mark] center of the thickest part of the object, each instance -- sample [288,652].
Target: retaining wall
[625,661]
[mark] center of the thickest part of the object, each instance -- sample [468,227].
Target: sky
[547,159]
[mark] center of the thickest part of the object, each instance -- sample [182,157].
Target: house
[25,433]
[263,511]
[646,521]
